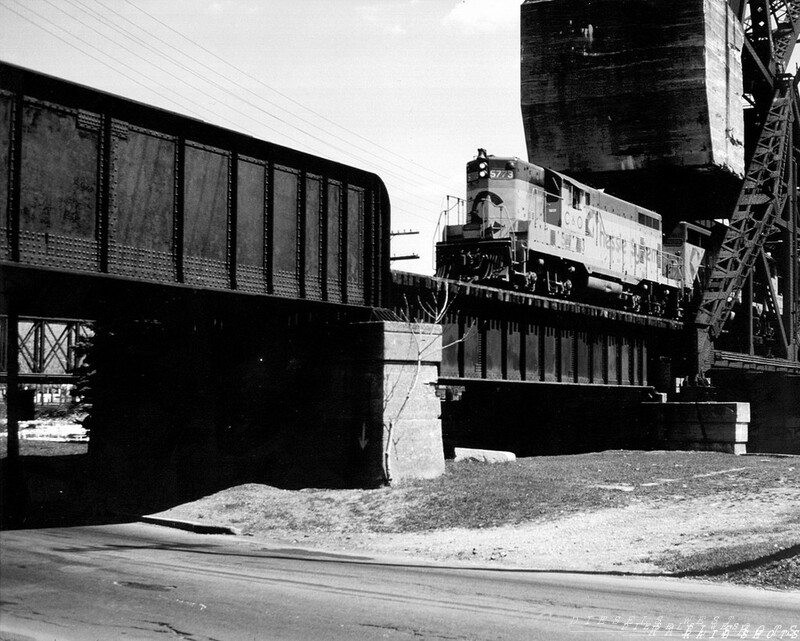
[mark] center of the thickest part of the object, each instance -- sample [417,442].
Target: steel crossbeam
[786,15]
[46,347]
[762,198]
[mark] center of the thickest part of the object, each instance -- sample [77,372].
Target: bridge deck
[458,289]
[506,336]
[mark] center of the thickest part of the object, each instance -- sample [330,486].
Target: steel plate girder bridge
[234,227]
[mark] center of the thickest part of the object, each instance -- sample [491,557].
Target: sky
[407,89]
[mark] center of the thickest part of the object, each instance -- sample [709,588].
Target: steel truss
[760,243]
[47,349]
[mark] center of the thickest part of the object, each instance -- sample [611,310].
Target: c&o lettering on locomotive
[573,220]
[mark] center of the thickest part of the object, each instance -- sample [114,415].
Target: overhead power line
[165,56]
[270,88]
[84,52]
[186,106]
[387,169]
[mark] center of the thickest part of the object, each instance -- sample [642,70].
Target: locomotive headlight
[478,170]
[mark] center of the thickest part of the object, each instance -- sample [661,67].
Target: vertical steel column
[369,248]
[12,376]
[324,241]
[795,270]
[761,32]
[460,350]
[233,216]
[789,242]
[179,207]
[344,226]
[104,187]
[269,244]
[15,182]
[747,304]
[302,237]
[14,481]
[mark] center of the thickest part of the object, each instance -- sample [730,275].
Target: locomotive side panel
[597,240]
[580,224]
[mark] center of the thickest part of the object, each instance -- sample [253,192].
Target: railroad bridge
[246,323]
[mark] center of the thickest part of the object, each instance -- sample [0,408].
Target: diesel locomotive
[539,231]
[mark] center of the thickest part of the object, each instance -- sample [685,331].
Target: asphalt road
[138,581]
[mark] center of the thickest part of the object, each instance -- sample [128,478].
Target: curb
[190,526]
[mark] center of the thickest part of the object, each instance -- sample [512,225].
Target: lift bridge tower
[687,107]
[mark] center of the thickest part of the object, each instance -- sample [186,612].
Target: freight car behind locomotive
[540,231]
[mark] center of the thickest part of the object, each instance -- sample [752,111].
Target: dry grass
[479,495]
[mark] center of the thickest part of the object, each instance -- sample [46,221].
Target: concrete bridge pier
[396,365]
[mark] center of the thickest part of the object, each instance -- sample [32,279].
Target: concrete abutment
[699,426]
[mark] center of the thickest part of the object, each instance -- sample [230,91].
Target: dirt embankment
[690,514]
[685,513]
